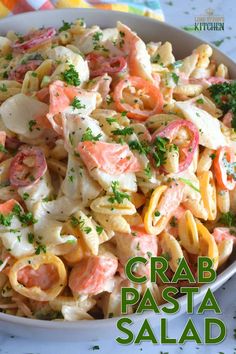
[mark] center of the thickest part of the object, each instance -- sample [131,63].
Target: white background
[178,13]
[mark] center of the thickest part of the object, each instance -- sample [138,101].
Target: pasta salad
[110,148]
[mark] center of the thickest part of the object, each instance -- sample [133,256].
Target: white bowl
[150,30]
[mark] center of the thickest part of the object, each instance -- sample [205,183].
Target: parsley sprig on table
[224,95]
[117,195]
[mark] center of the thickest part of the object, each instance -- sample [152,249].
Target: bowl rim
[221,278]
[141,18]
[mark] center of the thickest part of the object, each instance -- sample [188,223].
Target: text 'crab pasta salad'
[110,148]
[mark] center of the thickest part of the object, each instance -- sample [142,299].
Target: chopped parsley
[228,219]
[76,104]
[3,88]
[65,26]
[99,229]
[80,223]
[200,101]
[157,213]
[87,229]
[224,95]
[30,237]
[95,347]
[175,78]
[40,249]
[74,221]
[25,218]
[140,146]
[3,149]
[88,136]
[71,76]
[212,156]
[96,40]
[71,178]
[32,124]
[5,220]
[147,170]
[156,59]
[125,131]
[218,43]
[121,42]
[25,196]
[159,151]
[111,120]
[117,195]
[9,56]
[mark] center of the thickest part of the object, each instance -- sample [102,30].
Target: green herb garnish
[25,196]
[140,146]
[117,195]
[99,229]
[32,124]
[3,88]
[159,151]
[147,170]
[76,104]
[3,149]
[224,95]
[228,219]
[30,237]
[200,101]
[65,26]
[88,136]
[40,249]
[125,131]
[175,78]
[71,76]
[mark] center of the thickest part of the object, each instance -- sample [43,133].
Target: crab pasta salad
[110,148]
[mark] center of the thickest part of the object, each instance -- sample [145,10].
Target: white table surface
[178,13]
